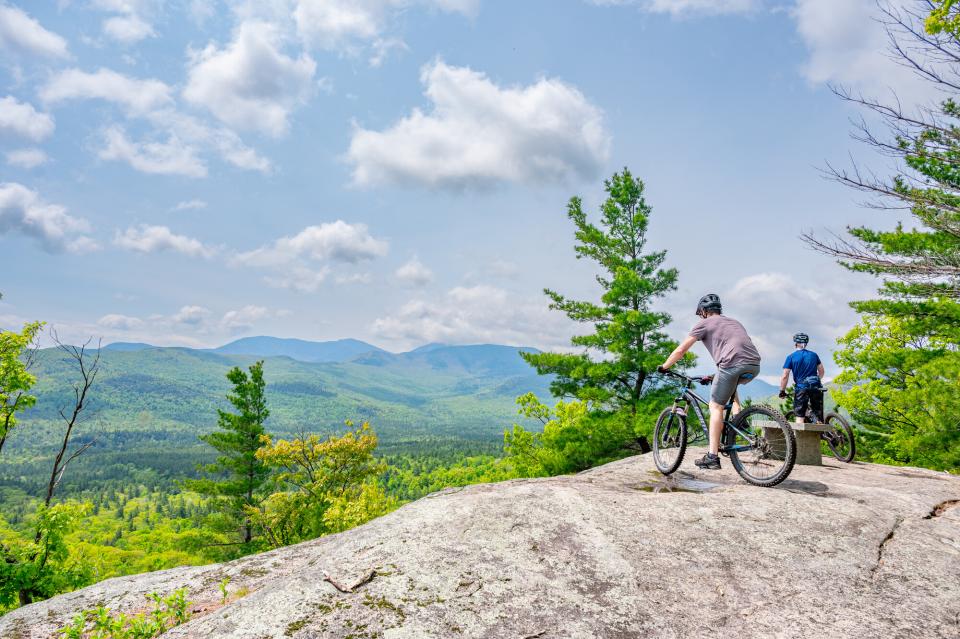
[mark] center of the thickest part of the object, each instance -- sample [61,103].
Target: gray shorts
[726,380]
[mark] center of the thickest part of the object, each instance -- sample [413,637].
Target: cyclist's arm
[820,370]
[785,379]
[680,351]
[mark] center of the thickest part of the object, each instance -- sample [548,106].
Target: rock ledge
[617,552]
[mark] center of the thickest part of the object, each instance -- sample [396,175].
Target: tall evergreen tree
[920,265]
[900,364]
[238,475]
[627,341]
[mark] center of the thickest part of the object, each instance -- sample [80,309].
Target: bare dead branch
[88,366]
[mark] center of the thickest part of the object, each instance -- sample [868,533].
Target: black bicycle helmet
[801,338]
[709,302]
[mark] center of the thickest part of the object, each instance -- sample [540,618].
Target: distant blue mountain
[339,350]
[432,346]
[758,390]
[477,359]
[128,346]
[484,360]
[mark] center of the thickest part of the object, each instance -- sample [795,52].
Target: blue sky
[185,173]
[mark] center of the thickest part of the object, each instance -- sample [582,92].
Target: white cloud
[243,319]
[382,48]
[23,211]
[478,134]
[170,157]
[414,273]
[287,257]
[477,314]
[336,241]
[344,24]
[332,23]
[154,239]
[26,158]
[21,33]
[127,29]
[192,315]
[120,322]
[137,96]
[178,140]
[251,84]
[223,141]
[849,46]
[299,278]
[190,205]
[21,119]
[773,306]
[132,24]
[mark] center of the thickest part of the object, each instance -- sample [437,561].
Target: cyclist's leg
[748,373]
[816,404]
[716,425]
[724,387]
[800,400]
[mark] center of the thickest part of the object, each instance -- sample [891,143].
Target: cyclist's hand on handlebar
[662,369]
[783,394]
[706,379]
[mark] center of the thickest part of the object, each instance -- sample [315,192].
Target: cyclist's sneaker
[708,462]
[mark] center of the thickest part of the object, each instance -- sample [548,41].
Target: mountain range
[150,403]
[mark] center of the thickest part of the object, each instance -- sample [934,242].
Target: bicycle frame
[697,403]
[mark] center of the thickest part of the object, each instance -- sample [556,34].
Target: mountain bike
[839,439]
[758,440]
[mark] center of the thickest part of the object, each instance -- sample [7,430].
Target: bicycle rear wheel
[669,441]
[840,437]
[765,448]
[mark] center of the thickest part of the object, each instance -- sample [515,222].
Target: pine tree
[237,475]
[900,363]
[628,334]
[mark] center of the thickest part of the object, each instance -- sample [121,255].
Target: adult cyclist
[737,359]
[807,369]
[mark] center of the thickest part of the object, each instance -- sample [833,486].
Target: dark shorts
[726,380]
[812,398]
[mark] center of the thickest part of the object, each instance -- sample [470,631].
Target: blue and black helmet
[801,338]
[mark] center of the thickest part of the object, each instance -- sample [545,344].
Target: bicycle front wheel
[762,446]
[669,441]
[840,437]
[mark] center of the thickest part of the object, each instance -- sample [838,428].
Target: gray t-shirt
[727,341]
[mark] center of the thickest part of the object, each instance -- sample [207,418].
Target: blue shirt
[803,364]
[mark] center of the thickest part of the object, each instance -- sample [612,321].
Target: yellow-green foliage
[39,564]
[944,18]
[328,485]
[414,477]
[902,387]
[574,438]
[15,380]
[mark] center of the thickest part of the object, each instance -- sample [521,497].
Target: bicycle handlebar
[706,379]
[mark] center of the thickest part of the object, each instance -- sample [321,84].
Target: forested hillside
[151,404]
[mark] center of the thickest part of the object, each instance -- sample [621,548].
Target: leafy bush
[100,623]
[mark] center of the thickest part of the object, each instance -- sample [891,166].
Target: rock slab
[617,552]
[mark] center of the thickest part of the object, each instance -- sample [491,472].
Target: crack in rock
[883,545]
[942,507]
